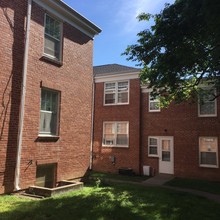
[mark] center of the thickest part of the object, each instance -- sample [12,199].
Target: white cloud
[128,11]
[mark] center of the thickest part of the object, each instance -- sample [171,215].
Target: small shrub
[98,182]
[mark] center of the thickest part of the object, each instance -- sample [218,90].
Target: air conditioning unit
[146,170]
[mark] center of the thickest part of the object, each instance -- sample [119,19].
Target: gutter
[21,115]
[92,126]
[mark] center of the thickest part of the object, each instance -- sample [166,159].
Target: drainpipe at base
[22,104]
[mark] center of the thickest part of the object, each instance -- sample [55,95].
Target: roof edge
[68,14]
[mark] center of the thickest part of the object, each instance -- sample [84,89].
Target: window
[110,92]
[153,146]
[52,38]
[154,104]
[166,150]
[207,103]
[116,93]
[49,112]
[208,151]
[115,134]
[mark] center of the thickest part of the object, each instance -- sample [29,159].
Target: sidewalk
[158,180]
[161,179]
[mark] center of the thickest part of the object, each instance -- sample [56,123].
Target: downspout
[140,133]
[92,126]
[22,104]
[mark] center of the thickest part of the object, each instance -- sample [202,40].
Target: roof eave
[68,14]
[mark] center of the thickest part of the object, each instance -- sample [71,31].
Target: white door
[166,161]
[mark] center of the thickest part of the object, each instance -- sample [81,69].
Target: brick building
[46,107]
[131,131]
[46,76]
[117,107]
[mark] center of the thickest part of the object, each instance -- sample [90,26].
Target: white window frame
[153,155]
[116,93]
[115,123]
[49,134]
[153,101]
[59,59]
[215,101]
[208,165]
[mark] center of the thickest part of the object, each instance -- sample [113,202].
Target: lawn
[202,185]
[111,176]
[116,201]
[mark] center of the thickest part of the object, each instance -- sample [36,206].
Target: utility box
[146,170]
[125,171]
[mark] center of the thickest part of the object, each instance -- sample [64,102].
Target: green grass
[110,176]
[118,201]
[202,185]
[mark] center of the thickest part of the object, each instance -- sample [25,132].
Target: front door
[166,161]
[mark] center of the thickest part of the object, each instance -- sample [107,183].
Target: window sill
[118,104]
[208,166]
[50,60]
[153,156]
[114,146]
[207,116]
[47,138]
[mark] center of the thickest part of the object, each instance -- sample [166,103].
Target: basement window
[45,176]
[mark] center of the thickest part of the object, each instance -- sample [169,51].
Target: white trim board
[118,77]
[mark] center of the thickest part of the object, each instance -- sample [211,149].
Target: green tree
[180,49]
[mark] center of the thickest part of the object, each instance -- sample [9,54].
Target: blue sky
[117,19]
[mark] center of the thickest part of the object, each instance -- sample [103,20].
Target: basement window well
[46,185]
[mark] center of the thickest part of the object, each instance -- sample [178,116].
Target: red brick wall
[125,157]
[74,81]
[11,62]
[182,122]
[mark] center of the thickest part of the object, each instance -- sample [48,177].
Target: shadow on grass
[202,185]
[119,202]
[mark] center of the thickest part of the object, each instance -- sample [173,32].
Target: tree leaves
[180,49]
